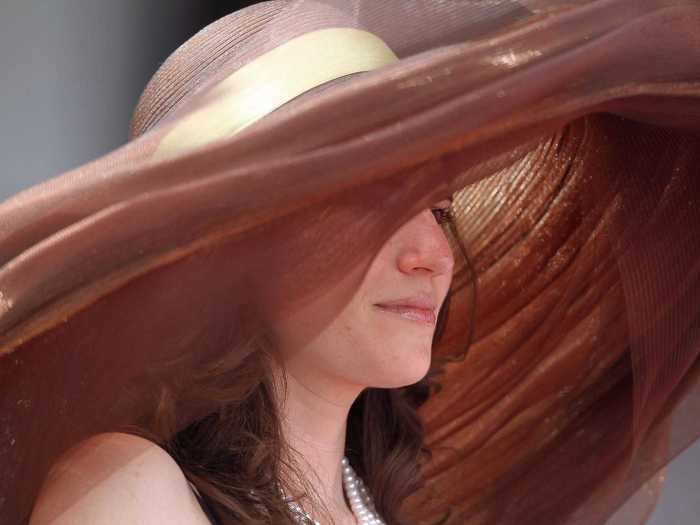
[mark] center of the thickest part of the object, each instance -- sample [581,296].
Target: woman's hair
[240,446]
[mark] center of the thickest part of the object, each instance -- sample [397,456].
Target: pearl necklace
[360,500]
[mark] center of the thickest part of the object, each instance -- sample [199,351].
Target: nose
[425,247]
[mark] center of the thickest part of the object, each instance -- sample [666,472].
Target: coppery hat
[275,152]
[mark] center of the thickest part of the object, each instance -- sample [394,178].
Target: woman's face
[368,345]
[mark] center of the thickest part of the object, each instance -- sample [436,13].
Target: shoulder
[116,478]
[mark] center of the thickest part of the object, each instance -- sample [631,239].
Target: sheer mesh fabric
[568,134]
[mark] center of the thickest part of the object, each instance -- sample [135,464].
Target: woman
[278,186]
[120,478]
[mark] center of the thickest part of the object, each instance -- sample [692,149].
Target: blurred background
[71,72]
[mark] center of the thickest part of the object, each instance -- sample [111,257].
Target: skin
[362,347]
[119,478]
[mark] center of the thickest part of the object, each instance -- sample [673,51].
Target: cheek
[384,349]
[352,340]
[335,349]
[362,344]
[309,324]
[351,346]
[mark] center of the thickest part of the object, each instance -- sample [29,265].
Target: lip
[418,308]
[410,313]
[422,301]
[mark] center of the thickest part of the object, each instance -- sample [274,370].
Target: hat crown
[226,46]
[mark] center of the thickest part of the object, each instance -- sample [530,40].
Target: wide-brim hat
[276,151]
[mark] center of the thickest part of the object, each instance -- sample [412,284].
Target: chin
[406,372]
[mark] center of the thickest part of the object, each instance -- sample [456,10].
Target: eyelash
[442,215]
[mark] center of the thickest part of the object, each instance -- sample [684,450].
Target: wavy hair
[240,447]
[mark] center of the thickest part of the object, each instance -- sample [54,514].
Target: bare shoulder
[116,478]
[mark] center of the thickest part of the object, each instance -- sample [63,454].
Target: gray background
[71,72]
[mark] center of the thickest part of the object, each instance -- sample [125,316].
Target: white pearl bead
[360,500]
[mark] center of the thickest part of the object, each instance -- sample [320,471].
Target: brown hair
[240,446]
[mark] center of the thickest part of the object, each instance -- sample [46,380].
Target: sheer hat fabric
[568,136]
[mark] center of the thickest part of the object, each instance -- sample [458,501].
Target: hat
[278,149]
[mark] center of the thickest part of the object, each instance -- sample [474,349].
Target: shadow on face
[383,336]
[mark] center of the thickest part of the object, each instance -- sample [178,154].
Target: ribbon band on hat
[273,79]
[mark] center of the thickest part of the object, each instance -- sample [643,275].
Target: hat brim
[590,278]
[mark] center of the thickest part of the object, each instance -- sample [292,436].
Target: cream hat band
[274,78]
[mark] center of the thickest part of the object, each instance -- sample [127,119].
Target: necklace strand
[361,503]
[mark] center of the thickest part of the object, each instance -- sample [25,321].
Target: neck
[314,423]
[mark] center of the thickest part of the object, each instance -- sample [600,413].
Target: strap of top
[206,507]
